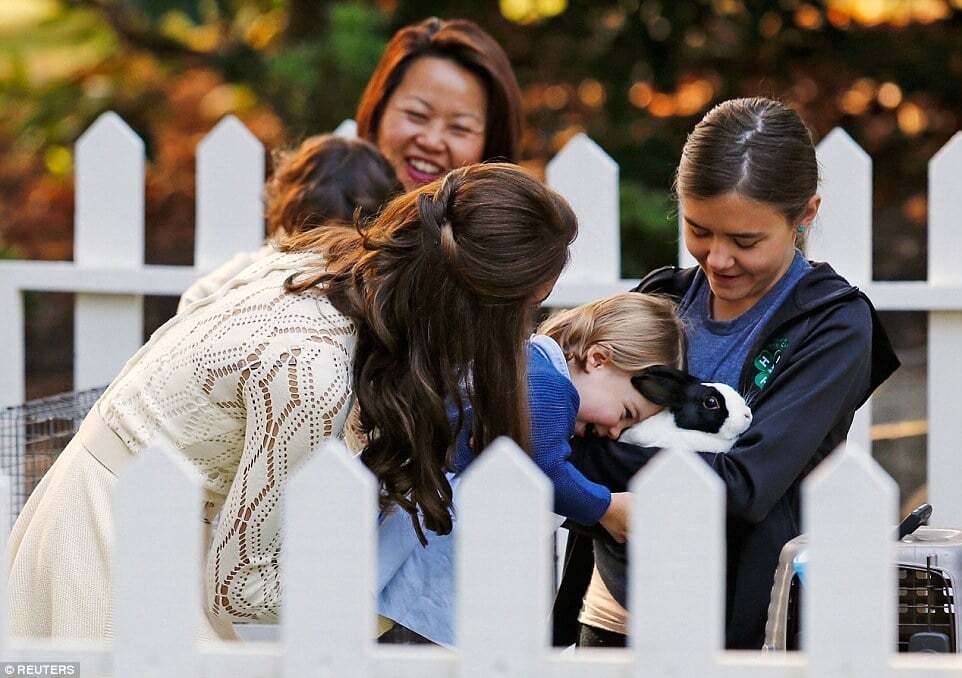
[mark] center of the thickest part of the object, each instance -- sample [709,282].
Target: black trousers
[579,561]
[592,636]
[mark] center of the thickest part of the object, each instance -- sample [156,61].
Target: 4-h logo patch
[766,360]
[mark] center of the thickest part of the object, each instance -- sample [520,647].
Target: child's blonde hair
[636,330]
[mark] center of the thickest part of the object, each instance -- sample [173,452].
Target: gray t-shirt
[717,349]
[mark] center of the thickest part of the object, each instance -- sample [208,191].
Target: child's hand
[618,516]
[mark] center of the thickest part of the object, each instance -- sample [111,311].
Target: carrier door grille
[926,603]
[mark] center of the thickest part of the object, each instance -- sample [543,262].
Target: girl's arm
[554,405]
[819,390]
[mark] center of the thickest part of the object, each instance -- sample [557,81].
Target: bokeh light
[912,119]
[640,94]
[591,93]
[889,95]
[556,97]
[895,13]
[531,11]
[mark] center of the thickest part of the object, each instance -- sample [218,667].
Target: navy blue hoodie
[820,357]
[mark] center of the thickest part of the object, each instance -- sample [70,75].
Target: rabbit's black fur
[697,416]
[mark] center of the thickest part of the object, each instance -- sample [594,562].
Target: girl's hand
[618,516]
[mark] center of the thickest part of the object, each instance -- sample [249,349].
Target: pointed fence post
[849,599]
[328,567]
[230,180]
[503,565]
[945,336]
[108,233]
[588,179]
[843,232]
[676,584]
[157,567]
[347,129]
[842,235]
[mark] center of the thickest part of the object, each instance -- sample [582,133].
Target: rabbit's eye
[711,402]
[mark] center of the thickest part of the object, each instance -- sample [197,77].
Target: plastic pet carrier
[929,566]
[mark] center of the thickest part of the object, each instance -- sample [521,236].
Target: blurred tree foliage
[171,69]
[634,74]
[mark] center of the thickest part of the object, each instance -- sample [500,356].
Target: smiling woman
[434,121]
[443,95]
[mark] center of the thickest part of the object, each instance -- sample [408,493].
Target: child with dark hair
[326,179]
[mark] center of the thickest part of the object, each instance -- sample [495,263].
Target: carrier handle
[914,520]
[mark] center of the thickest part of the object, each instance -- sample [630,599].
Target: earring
[801,229]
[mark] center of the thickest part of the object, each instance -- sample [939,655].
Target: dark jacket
[820,357]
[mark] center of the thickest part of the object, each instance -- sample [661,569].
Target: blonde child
[580,366]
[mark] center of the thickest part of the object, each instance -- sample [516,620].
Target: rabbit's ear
[662,385]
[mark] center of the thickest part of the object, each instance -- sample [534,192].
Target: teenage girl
[802,345]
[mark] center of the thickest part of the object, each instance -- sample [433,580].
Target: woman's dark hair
[327,178]
[467,45]
[758,148]
[442,285]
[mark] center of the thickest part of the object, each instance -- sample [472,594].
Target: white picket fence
[503,558]
[677,543]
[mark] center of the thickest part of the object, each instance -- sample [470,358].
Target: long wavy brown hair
[442,285]
[469,46]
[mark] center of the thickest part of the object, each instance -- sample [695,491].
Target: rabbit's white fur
[661,430]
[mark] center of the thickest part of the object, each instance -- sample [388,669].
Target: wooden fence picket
[109,202]
[347,129]
[230,183]
[588,178]
[676,585]
[157,567]
[328,569]
[503,565]
[842,234]
[945,336]
[850,607]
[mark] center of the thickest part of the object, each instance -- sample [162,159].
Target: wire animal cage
[32,435]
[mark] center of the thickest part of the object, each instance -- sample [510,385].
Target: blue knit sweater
[415,584]
[553,403]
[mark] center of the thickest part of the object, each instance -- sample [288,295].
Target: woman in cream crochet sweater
[436,293]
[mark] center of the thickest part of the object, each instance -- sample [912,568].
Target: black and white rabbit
[697,416]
